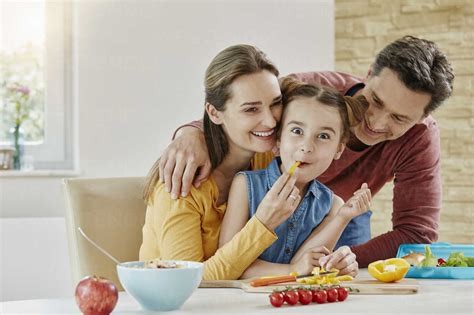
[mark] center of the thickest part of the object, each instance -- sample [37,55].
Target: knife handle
[274,280]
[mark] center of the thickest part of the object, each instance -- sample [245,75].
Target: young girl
[313,132]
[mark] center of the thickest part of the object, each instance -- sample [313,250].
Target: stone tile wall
[363,27]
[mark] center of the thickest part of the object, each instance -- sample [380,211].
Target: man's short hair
[420,65]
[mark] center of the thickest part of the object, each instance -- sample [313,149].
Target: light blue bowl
[160,289]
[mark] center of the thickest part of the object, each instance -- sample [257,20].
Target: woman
[242,108]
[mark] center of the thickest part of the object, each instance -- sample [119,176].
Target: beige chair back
[112,213]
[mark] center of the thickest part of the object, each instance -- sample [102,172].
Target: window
[36,58]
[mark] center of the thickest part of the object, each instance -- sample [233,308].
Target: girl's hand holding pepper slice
[389,270]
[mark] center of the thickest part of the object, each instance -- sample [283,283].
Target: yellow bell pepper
[389,270]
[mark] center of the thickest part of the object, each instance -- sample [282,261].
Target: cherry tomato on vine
[342,294]
[305,296]
[313,293]
[332,295]
[320,296]
[291,297]
[277,299]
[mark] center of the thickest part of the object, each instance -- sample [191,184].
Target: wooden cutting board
[358,286]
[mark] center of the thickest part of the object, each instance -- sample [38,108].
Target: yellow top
[188,229]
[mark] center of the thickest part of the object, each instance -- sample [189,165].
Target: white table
[434,297]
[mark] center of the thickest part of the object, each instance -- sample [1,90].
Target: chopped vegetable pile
[455,259]
[320,276]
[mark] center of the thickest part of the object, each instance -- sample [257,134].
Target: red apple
[96,295]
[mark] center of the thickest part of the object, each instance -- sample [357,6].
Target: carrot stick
[274,280]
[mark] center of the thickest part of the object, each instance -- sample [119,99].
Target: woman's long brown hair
[227,66]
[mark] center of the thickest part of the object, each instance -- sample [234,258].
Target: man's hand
[182,159]
[343,259]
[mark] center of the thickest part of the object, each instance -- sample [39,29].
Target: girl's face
[310,133]
[252,112]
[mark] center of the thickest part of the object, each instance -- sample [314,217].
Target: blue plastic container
[440,250]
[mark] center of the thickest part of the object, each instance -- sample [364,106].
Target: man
[397,140]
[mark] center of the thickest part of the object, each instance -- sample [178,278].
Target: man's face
[393,108]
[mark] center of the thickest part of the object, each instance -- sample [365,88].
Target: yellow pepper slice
[324,278]
[293,167]
[389,270]
[344,278]
[317,271]
[332,281]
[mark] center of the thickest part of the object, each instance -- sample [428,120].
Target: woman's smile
[264,135]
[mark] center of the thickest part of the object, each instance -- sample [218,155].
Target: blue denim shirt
[357,231]
[296,229]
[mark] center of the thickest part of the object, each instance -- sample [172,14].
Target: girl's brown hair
[351,109]
[228,65]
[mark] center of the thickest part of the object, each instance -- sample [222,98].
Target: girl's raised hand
[357,204]
[280,201]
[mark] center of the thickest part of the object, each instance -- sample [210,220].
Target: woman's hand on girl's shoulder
[185,162]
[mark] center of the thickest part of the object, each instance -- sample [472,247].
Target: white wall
[139,71]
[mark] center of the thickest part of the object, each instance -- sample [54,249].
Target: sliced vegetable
[321,276]
[389,270]
[293,167]
[430,260]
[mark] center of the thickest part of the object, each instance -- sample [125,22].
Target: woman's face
[310,133]
[252,112]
